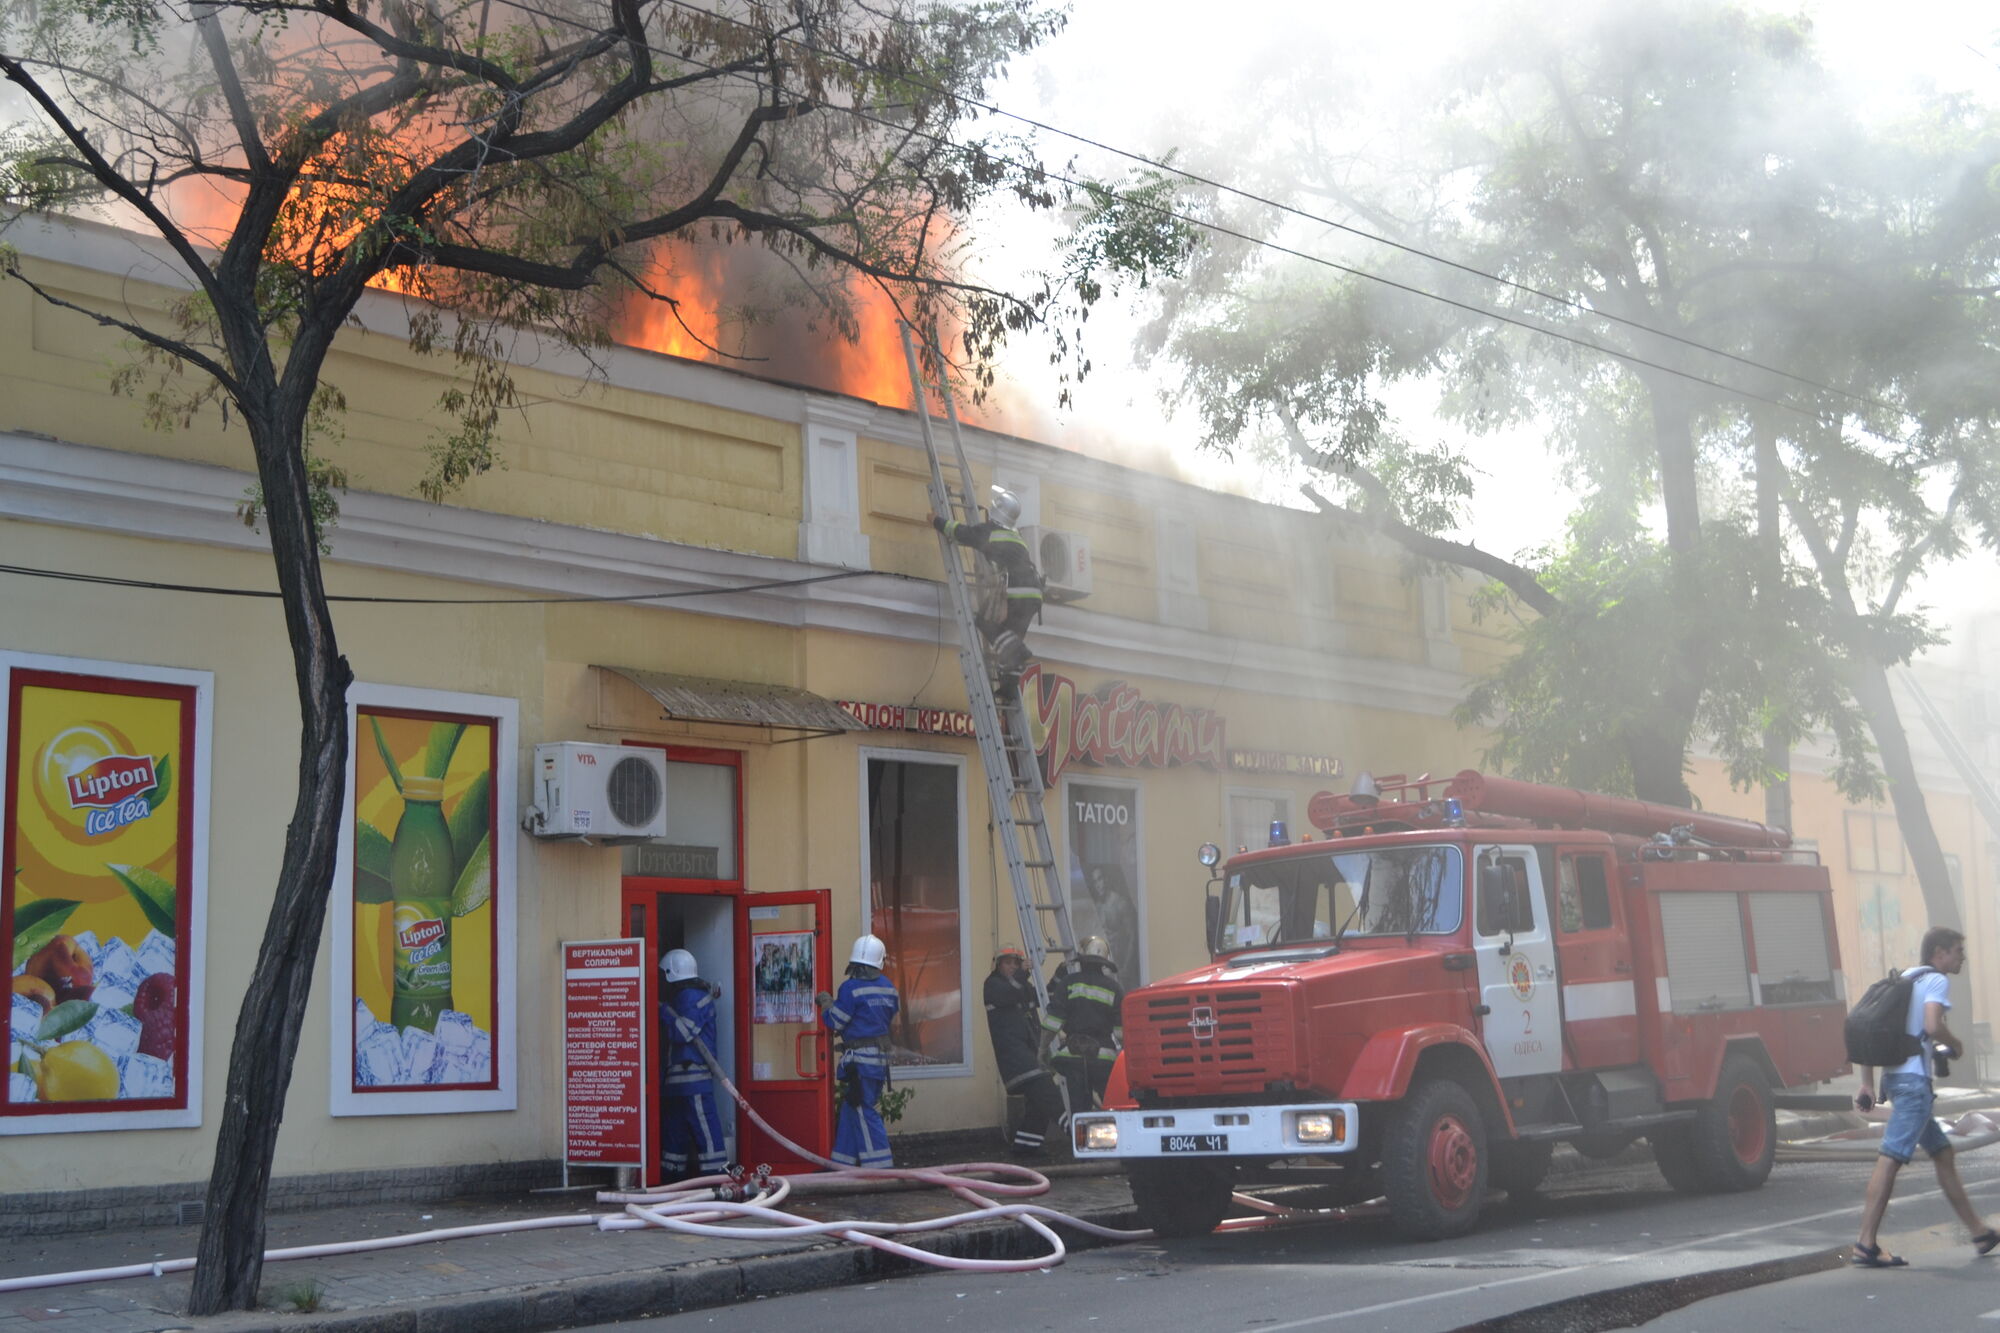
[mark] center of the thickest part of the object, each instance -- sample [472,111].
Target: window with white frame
[913,854]
[1250,813]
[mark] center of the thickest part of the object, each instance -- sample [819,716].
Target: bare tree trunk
[1770,580]
[1658,753]
[230,1255]
[1869,680]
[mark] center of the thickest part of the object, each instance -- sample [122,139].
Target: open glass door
[787,959]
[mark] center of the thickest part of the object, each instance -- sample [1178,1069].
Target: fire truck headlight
[1210,855]
[1096,1135]
[1320,1126]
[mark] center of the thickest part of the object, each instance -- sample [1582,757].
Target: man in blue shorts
[1907,1087]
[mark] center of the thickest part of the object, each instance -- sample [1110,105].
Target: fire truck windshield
[1305,900]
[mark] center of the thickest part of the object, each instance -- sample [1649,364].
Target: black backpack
[1877,1026]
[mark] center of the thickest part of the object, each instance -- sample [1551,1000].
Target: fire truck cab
[1424,1002]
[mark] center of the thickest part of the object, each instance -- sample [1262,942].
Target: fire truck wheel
[1673,1152]
[1434,1161]
[1735,1135]
[1519,1168]
[1179,1198]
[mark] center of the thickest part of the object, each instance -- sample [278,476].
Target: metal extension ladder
[1013,773]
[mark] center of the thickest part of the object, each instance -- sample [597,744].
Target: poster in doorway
[1103,819]
[782,967]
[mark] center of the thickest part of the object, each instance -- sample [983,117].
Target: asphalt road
[1608,1247]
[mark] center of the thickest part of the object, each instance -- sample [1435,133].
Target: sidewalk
[529,1280]
[578,1275]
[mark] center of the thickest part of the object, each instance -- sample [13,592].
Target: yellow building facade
[718,504]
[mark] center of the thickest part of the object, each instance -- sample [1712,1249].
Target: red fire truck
[1425,1001]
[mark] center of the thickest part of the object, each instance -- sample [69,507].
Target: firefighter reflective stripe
[1051,1023]
[837,1017]
[1106,1053]
[879,989]
[675,1076]
[1083,990]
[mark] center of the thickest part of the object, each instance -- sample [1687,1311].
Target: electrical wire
[1266,201]
[1484,312]
[150,585]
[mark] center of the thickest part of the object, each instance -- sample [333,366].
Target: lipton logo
[1201,1023]
[419,933]
[114,778]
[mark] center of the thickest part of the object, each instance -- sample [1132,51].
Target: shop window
[1104,872]
[916,901]
[1250,817]
[1585,896]
[1874,843]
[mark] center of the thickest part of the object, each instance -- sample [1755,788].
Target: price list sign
[604,1053]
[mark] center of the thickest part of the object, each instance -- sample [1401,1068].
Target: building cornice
[137,495]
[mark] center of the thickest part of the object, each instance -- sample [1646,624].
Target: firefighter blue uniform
[860,1015]
[692,1141]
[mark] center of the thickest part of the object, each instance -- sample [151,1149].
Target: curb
[698,1286]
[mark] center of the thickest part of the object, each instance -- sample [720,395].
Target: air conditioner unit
[606,793]
[1064,559]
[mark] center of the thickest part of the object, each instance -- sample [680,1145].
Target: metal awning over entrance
[740,703]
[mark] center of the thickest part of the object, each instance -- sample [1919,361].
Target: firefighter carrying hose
[1081,1032]
[860,1014]
[997,540]
[1012,1020]
[692,1143]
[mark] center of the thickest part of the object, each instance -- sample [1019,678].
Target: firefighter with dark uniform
[997,540]
[692,1142]
[1082,1031]
[1013,1021]
[860,1016]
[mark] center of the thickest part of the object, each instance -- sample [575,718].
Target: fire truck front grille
[1224,1039]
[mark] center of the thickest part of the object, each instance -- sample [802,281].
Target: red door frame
[642,892]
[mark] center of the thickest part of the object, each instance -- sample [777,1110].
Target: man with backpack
[1906,1086]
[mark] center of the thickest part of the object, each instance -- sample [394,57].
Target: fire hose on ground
[727,1205]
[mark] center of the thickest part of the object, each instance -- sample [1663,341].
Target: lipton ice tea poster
[97,896]
[424,993]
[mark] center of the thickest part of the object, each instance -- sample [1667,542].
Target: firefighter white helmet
[868,950]
[678,965]
[1096,946]
[1005,508]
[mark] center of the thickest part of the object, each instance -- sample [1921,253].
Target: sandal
[1986,1241]
[1871,1256]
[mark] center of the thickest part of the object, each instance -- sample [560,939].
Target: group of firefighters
[1076,1041]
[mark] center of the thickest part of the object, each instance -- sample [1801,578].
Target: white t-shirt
[1931,987]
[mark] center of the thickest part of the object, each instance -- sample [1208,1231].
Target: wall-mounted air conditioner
[1064,559]
[606,793]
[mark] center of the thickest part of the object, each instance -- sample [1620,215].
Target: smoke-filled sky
[1151,74]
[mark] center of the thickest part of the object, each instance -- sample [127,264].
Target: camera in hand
[1941,1060]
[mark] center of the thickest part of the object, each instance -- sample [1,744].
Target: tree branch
[1516,579]
[171,346]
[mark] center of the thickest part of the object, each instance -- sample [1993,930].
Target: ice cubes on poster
[26,1017]
[423,1056]
[156,953]
[144,1076]
[378,1056]
[113,1033]
[86,940]
[118,968]
[20,1088]
[110,997]
[385,1056]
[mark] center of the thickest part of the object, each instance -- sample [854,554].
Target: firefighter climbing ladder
[1013,773]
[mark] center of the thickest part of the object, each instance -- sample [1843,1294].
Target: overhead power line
[151,585]
[1527,289]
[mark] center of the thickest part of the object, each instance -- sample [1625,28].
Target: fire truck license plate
[1194,1143]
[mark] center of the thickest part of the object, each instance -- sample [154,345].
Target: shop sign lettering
[1284,761]
[900,717]
[1115,725]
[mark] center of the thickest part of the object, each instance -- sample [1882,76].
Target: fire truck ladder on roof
[1013,773]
